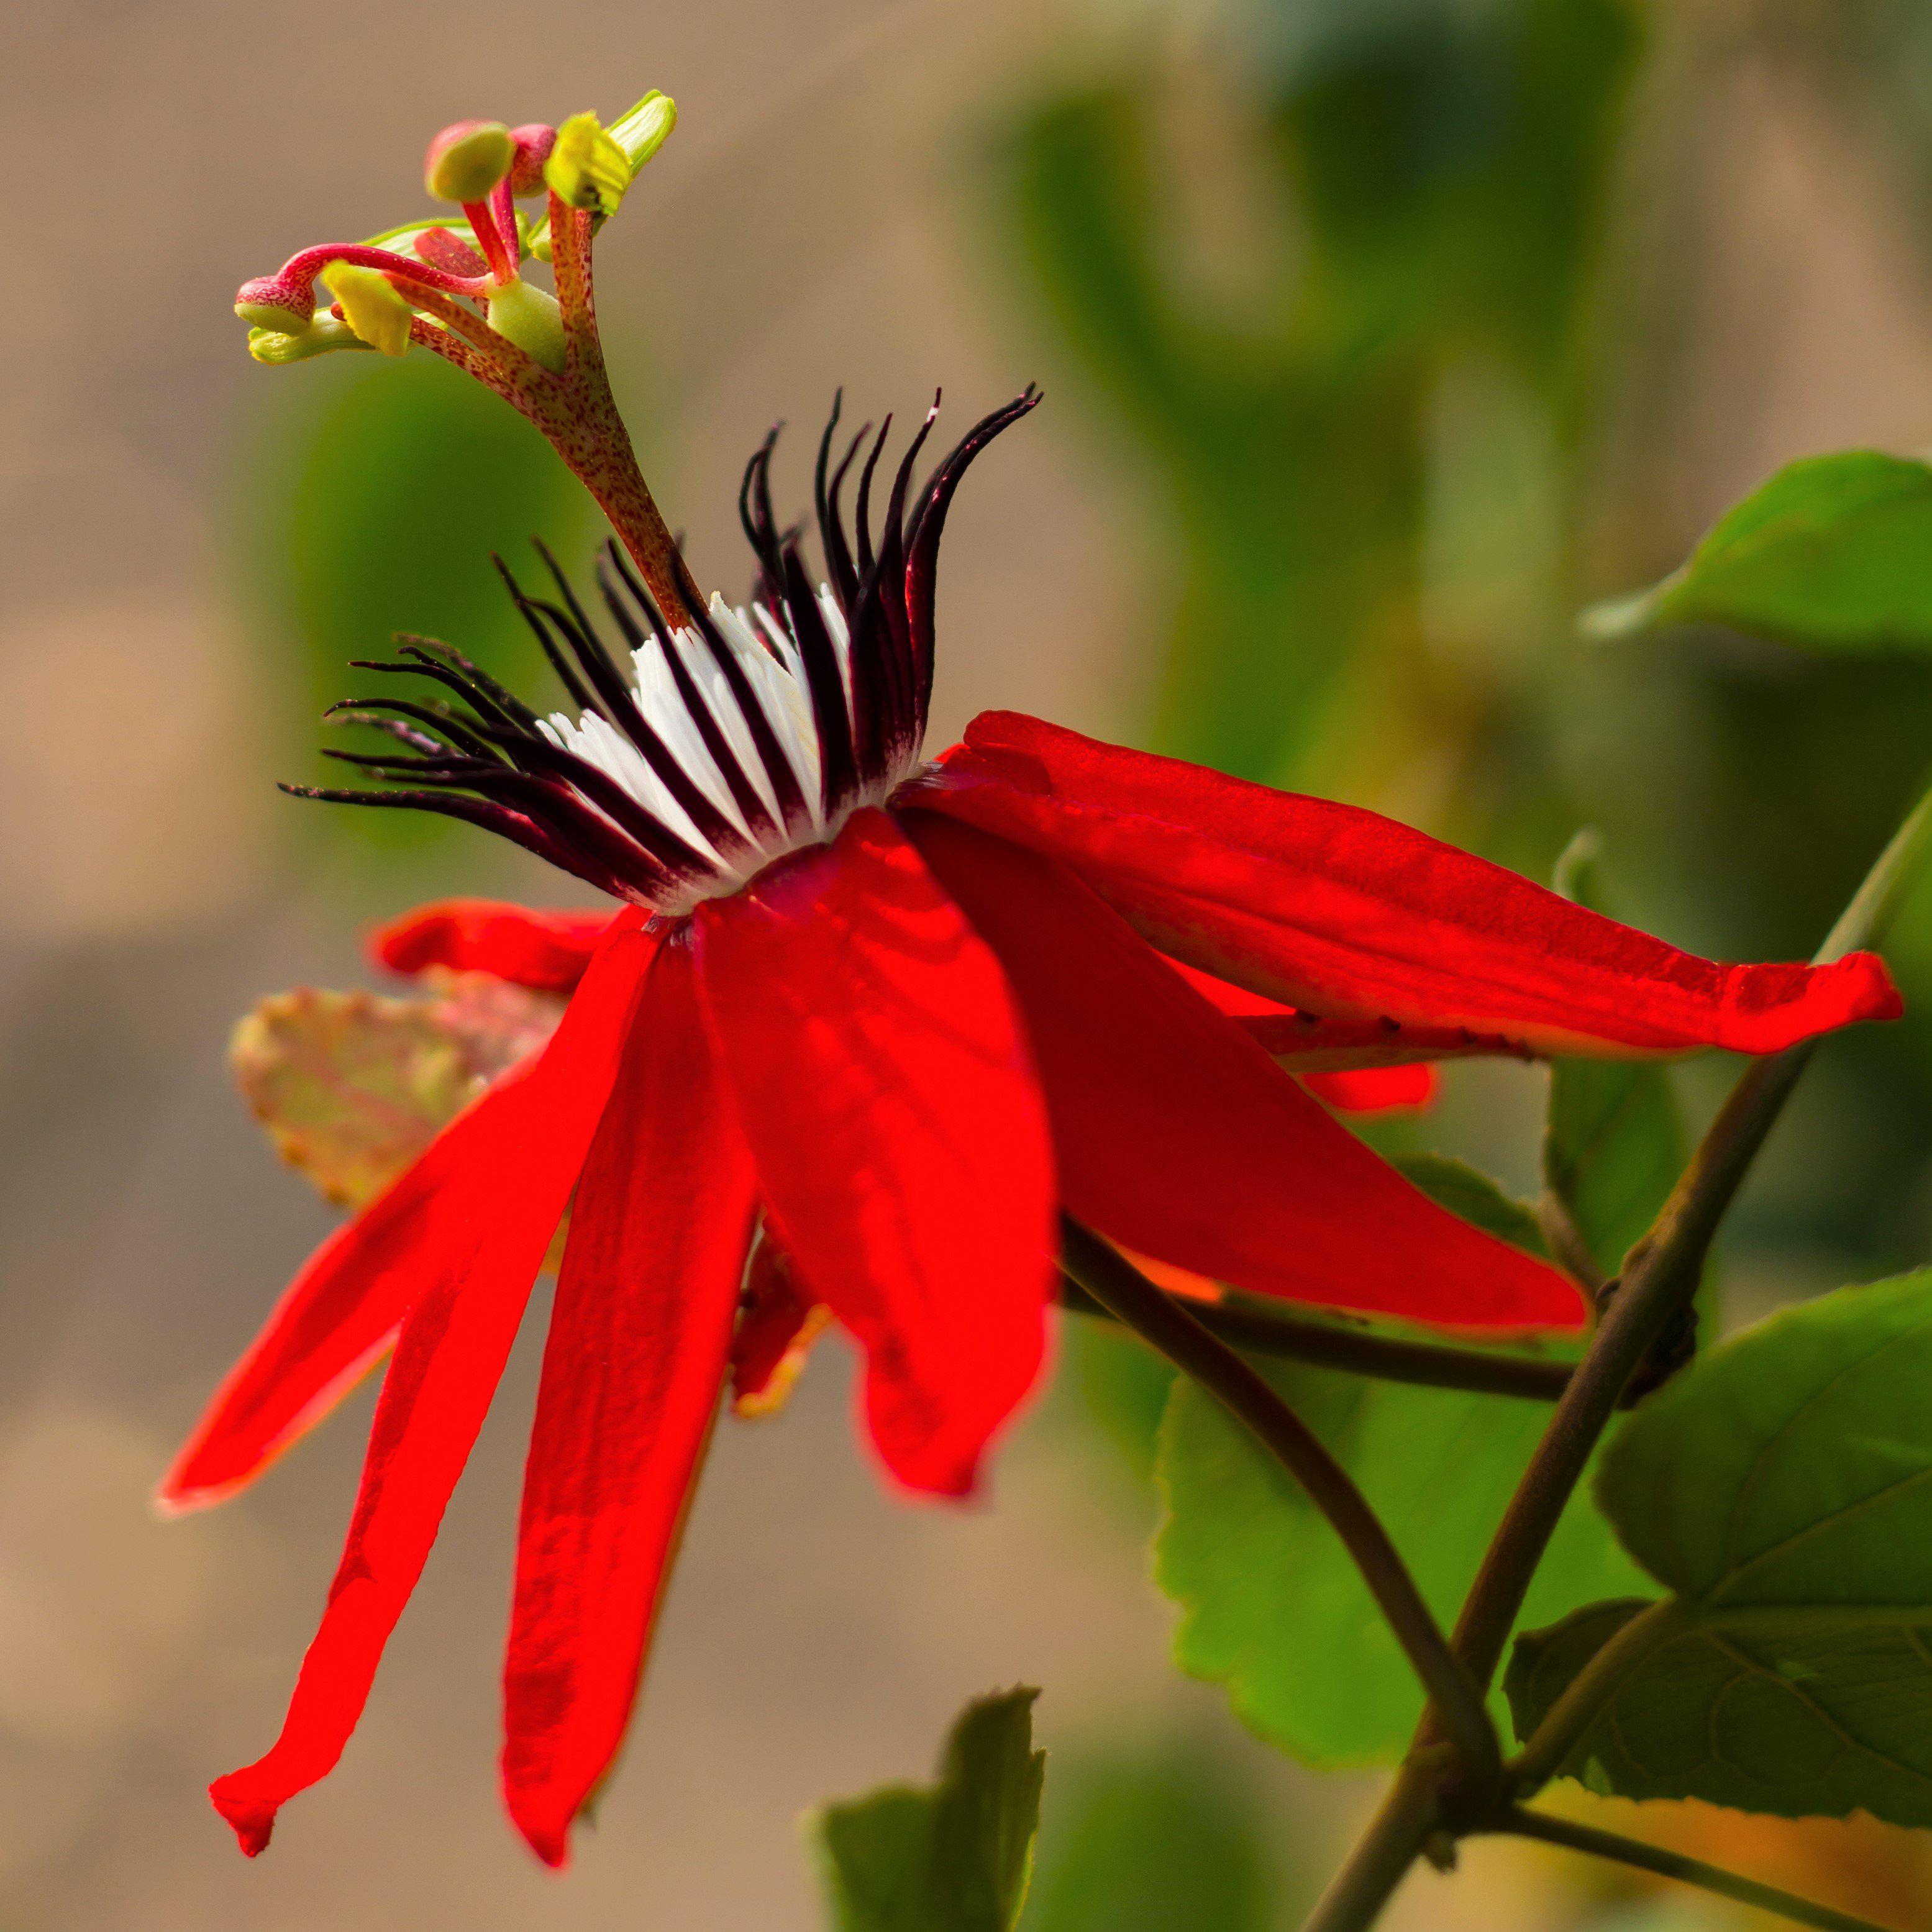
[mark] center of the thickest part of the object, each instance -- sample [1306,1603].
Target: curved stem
[406,268]
[1360,1351]
[1632,1851]
[1117,1284]
[499,250]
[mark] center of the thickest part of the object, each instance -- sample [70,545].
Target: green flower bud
[372,308]
[586,169]
[276,346]
[466,160]
[646,128]
[531,319]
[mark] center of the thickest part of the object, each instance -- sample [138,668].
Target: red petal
[632,1378]
[1177,1136]
[901,1143]
[548,951]
[482,1249]
[1307,1043]
[1375,1090]
[775,1333]
[337,1318]
[1342,911]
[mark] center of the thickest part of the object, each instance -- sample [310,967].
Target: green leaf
[1782,1488]
[1834,553]
[1156,1843]
[955,1856]
[1614,1142]
[1465,1191]
[1272,1607]
[351,1087]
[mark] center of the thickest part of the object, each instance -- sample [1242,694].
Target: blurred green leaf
[1781,1487]
[1166,1842]
[1272,1607]
[1834,553]
[1456,1186]
[1122,1386]
[1614,1141]
[955,1856]
[377,492]
[1435,173]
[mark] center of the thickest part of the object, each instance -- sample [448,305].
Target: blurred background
[1379,336]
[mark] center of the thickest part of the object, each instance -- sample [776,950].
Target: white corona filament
[776,678]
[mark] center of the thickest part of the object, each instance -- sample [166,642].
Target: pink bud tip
[534,140]
[276,302]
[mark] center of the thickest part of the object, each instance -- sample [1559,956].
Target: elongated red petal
[1341,911]
[901,1145]
[632,1379]
[548,951]
[1177,1136]
[475,1278]
[1375,1090]
[1307,1043]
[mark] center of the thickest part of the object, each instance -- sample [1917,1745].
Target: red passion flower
[901,1013]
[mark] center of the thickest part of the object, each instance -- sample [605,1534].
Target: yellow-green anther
[586,169]
[371,307]
[537,242]
[531,319]
[271,318]
[466,161]
[646,128]
[325,333]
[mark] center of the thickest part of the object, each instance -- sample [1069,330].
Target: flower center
[728,734]
[715,740]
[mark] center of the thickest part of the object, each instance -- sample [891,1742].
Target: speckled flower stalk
[422,285]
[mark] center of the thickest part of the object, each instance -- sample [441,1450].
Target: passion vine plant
[918,1046]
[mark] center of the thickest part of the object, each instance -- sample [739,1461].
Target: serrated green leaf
[1272,1607]
[1614,1141]
[1471,1195]
[954,1856]
[1834,553]
[1782,1488]
[1811,1720]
